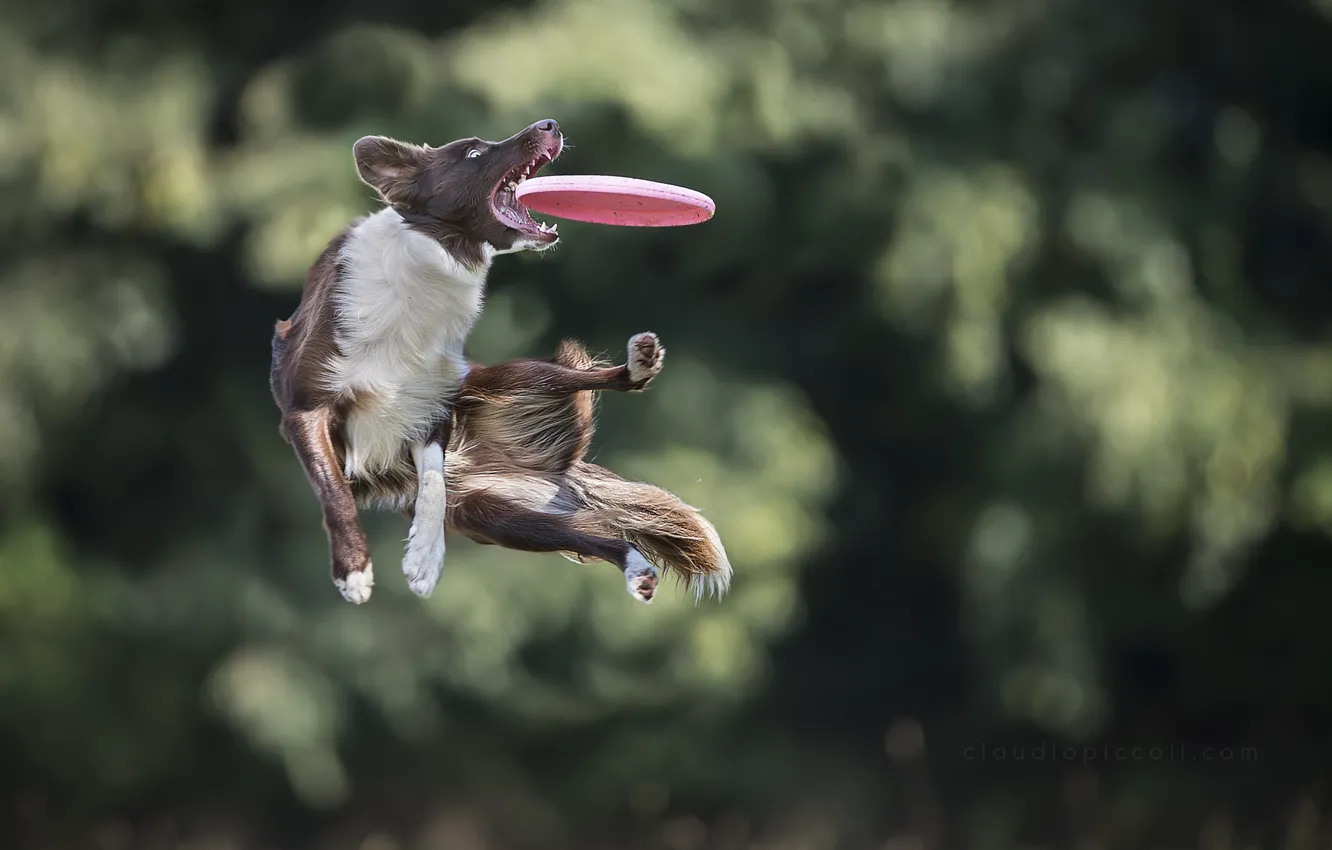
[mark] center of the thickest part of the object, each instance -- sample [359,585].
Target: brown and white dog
[367,369]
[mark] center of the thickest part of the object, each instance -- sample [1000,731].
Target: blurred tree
[1003,370]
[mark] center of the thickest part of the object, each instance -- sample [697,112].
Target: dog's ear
[389,167]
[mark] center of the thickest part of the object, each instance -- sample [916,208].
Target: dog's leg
[424,559]
[309,433]
[644,362]
[486,517]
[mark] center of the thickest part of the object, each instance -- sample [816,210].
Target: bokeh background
[1004,369]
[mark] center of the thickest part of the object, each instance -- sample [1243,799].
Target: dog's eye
[473,153]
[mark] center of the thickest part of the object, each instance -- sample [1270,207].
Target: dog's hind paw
[640,577]
[646,354]
[355,588]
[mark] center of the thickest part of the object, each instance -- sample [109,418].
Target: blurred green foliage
[1004,370]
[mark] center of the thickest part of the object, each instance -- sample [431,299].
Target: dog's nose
[548,125]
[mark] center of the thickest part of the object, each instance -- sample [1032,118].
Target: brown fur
[518,477]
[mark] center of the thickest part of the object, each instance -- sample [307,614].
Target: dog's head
[462,193]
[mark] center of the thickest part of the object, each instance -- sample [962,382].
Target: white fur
[522,243]
[405,308]
[356,587]
[641,368]
[531,492]
[638,571]
[716,584]
[424,560]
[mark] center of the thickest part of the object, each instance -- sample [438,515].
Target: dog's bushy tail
[671,534]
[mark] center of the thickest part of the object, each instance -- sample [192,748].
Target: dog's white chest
[405,308]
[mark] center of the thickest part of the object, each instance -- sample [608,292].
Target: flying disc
[624,201]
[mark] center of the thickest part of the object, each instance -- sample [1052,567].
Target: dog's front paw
[646,354]
[355,585]
[424,560]
[353,574]
[640,577]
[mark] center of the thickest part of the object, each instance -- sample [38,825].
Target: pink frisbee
[625,201]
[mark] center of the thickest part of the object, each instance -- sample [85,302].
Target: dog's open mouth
[512,214]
